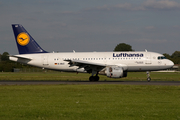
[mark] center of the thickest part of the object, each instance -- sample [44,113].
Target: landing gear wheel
[94,78]
[148,76]
[91,78]
[148,79]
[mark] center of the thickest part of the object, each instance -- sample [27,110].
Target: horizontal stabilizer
[20,57]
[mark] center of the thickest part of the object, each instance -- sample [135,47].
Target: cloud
[147,5]
[161,5]
[149,27]
[68,12]
[124,6]
[148,40]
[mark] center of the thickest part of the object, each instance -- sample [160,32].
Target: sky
[93,25]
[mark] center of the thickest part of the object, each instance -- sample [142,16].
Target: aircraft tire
[96,78]
[148,79]
[91,78]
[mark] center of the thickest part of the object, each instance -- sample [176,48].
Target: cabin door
[148,58]
[45,60]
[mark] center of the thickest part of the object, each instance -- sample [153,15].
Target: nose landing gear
[148,76]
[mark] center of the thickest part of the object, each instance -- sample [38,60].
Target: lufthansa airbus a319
[114,64]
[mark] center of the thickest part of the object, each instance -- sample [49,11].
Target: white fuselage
[129,61]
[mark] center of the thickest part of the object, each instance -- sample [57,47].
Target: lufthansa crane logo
[23,38]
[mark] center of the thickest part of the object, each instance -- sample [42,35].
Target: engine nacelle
[115,72]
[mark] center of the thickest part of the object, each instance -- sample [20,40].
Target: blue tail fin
[25,43]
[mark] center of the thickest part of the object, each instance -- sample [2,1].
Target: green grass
[132,76]
[89,102]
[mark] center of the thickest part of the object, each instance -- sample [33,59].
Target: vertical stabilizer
[25,43]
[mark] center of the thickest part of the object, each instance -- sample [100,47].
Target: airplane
[114,64]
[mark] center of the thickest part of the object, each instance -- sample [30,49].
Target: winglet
[25,43]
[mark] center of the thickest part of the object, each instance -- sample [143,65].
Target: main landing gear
[148,76]
[94,78]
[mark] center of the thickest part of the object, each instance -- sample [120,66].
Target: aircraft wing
[86,65]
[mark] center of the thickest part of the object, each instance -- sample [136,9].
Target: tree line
[7,66]
[175,57]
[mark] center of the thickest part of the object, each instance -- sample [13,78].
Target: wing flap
[86,65]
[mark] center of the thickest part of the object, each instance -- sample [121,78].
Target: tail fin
[25,43]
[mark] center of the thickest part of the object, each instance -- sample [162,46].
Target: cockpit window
[161,57]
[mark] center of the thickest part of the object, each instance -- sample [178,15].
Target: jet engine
[115,72]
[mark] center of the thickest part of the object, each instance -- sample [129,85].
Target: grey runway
[50,82]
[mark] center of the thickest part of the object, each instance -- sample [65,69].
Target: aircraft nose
[171,63]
